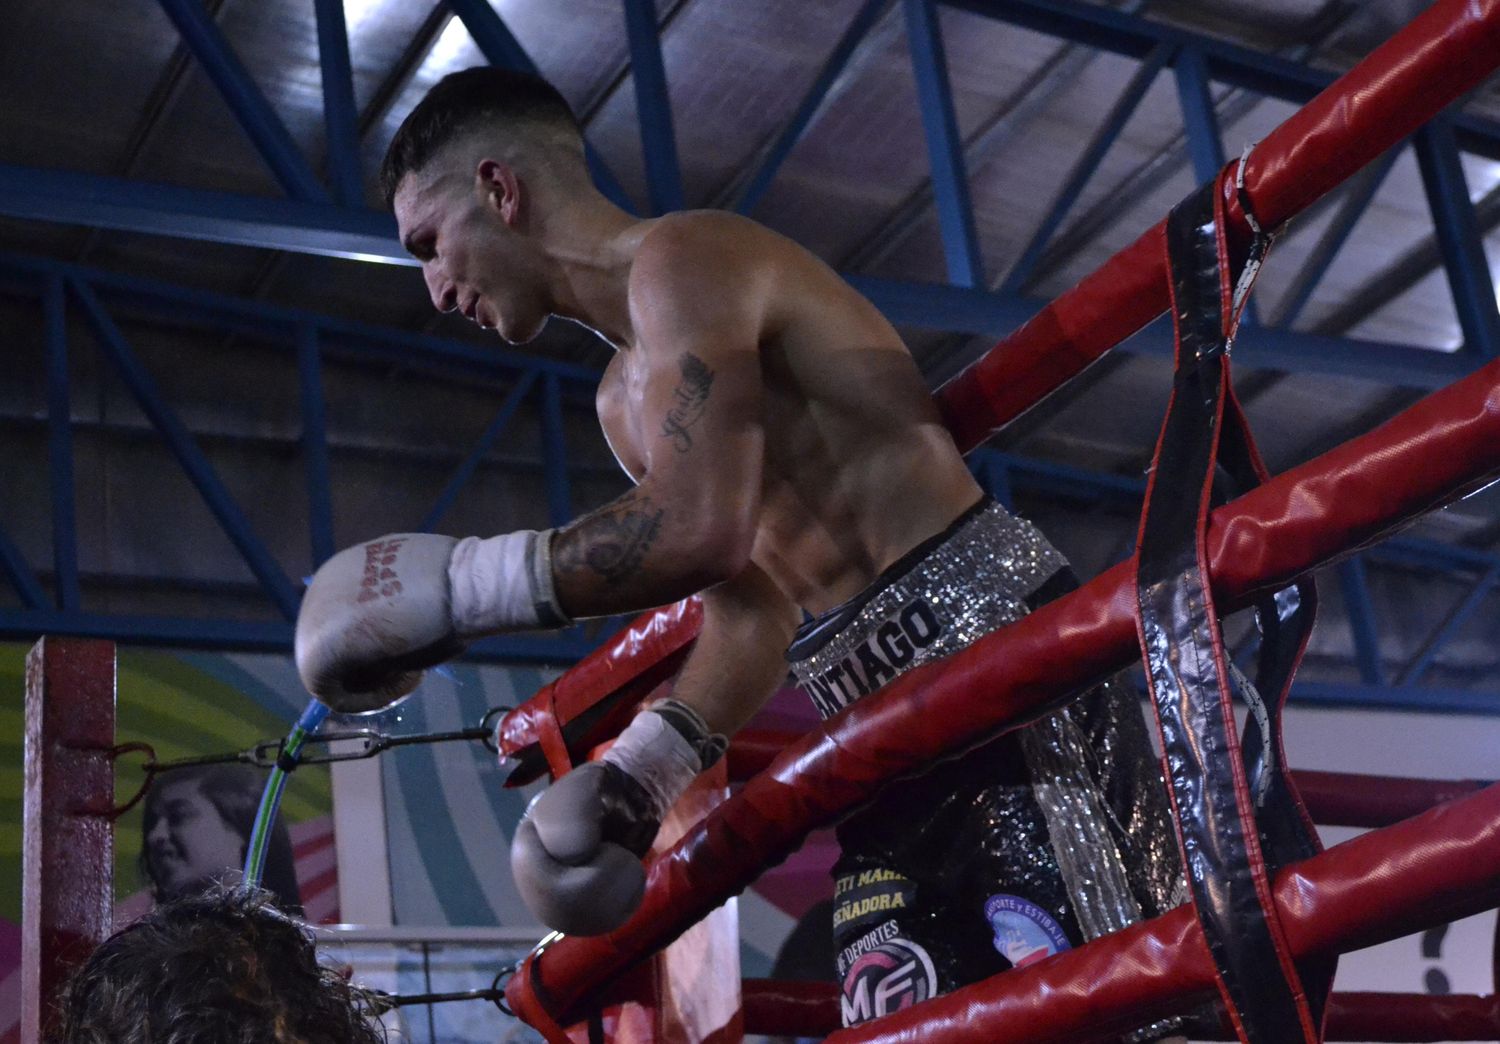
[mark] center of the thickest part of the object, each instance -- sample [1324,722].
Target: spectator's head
[196,828]
[222,967]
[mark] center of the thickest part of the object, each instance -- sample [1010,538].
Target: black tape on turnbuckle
[1239,818]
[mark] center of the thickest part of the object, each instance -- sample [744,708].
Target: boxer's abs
[858,471]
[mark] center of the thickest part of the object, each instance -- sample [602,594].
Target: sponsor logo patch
[887,978]
[868,895]
[1024,932]
[891,647]
[379,579]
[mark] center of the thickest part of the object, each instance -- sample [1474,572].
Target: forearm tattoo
[613,541]
[690,398]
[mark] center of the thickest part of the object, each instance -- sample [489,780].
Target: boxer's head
[221,966]
[473,174]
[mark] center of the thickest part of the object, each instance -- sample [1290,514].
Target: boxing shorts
[1048,836]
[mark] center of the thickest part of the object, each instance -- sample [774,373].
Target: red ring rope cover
[1332,798]
[811,1009]
[1350,496]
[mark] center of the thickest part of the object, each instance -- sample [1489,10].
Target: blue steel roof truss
[331,219]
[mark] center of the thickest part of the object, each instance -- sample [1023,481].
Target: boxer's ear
[502,188]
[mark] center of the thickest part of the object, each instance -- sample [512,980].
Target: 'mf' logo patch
[892,647]
[891,977]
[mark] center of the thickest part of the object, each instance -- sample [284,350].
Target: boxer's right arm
[577,853]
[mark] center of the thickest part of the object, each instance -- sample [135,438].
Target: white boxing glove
[576,858]
[377,613]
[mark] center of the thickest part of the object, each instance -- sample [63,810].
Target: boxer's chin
[520,329]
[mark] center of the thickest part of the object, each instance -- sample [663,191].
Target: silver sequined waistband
[965,583]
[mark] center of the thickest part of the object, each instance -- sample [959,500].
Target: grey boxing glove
[375,615]
[577,853]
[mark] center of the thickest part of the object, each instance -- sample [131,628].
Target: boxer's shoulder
[704,258]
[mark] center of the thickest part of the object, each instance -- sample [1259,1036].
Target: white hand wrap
[658,757]
[503,584]
[376,614]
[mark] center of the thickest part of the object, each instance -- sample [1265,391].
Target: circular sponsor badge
[893,976]
[1024,932]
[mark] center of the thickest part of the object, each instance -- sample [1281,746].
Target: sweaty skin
[784,447]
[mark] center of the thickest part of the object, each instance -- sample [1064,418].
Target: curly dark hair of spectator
[462,100]
[224,967]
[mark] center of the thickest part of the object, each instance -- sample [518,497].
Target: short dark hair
[234,790]
[224,967]
[459,101]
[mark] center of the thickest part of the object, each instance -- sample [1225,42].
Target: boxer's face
[465,227]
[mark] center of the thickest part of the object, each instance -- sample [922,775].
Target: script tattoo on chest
[613,541]
[690,398]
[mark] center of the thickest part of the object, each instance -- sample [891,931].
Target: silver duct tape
[1078,823]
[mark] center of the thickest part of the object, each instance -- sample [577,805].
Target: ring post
[68,837]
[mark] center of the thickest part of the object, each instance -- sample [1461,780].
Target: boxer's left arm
[739,658]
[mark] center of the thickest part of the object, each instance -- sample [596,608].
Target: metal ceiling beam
[1458,235]
[1459,615]
[926,305]
[470,464]
[1359,193]
[250,107]
[72,198]
[340,115]
[1360,612]
[1419,699]
[995,315]
[1144,179]
[602,91]
[1405,272]
[315,445]
[18,571]
[1201,123]
[215,494]
[163,96]
[653,107]
[286,447]
[417,48]
[60,445]
[185,304]
[1124,33]
[1084,167]
[1201,120]
[754,179]
[945,153]
[1011,117]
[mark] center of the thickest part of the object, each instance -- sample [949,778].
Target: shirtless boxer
[787,458]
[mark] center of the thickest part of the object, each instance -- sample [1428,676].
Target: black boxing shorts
[1048,836]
